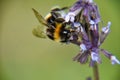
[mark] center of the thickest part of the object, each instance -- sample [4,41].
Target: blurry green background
[25,57]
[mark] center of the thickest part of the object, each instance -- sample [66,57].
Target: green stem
[96,72]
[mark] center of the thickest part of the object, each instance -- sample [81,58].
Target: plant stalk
[95,72]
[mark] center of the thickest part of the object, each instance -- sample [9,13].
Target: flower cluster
[84,19]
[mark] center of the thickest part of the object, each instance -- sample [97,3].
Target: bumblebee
[55,26]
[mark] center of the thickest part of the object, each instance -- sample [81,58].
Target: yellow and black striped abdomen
[54,33]
[57,31]
[59,34]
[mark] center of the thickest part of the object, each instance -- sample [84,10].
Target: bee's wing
[39,32]
[64,8]
[57,8]
[40,18]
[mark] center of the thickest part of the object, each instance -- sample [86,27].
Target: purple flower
[84,18]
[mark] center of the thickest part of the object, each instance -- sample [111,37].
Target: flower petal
[114,60]
[95,57]
[83,47]
[104,33]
